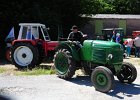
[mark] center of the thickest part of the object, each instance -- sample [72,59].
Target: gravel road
[50,87]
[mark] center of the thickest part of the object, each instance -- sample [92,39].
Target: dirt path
[134,61]
[50,87]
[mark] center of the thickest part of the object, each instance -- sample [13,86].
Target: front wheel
[102,79]
[128,73]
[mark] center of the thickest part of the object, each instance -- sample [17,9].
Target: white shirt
[137,41]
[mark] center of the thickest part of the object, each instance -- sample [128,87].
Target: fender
[71,47]
[33,42]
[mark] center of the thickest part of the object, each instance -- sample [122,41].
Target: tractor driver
[75,35]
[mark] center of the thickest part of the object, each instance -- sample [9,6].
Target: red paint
[49,46]
[33,42]
[8,54]
[46,45]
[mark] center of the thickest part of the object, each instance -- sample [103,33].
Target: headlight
[110,56]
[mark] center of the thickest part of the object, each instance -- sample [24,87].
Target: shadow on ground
[128,90]
[2,97]
[4,62]
[81,80]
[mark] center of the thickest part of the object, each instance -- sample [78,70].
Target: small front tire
[128,73]
[102,79]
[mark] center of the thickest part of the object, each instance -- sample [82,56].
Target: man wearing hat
[75,35]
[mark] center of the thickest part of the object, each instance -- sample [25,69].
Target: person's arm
[70,36]
[81,33]
[119,39]
[134,41]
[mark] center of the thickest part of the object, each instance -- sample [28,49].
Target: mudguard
[71,47]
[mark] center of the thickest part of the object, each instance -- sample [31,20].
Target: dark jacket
[76,36]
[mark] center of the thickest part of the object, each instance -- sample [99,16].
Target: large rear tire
[25,55]
[102,79]
[128,73]
[64,64]
[8,54]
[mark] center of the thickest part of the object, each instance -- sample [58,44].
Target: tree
[49,12]
[126,6]
[97,6]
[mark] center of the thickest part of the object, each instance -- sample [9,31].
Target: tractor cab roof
[31,24]
[30,31]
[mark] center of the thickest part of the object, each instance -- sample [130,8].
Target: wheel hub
[126,73]
[24,55]
[101,79]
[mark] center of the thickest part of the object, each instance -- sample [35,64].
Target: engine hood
[105,44]
[98,51]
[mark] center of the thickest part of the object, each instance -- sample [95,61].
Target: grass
[2,70]
[39,70]
[46,69]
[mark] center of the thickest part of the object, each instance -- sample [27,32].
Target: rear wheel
[64,64]
[24,55]
[128,73]
[8,54]
[102,79]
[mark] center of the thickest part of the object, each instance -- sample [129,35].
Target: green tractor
[100,59]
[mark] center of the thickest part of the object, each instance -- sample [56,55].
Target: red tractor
[31,46]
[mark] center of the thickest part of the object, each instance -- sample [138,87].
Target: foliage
[126,6]
[59,12]
[110,6]
[40,70]
[43,11]
[2,70]
[59,15]
[56,14]
[97,6]
[36,72]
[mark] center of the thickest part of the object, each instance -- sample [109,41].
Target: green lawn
[2,70]
[40,70]
[36,71]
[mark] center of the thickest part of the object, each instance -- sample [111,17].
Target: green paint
[61,63]
[122,24]
[97,51]
[101,79]
[117,68]
[86,50]
[70,47]
[98,27]
[94,51]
